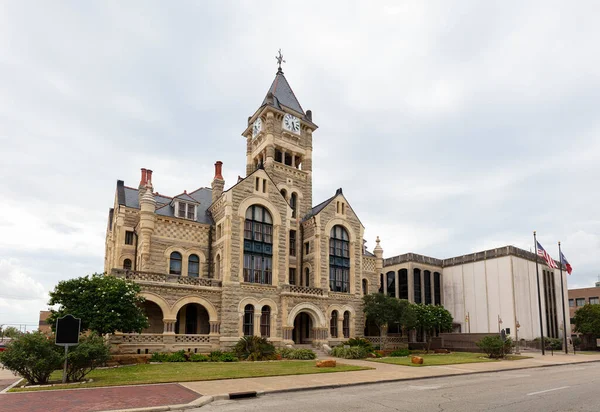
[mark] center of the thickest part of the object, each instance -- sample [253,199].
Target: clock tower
[279,139]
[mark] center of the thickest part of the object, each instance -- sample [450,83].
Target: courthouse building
[258,258]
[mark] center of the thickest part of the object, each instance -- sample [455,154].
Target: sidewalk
[163,397]
[382,372]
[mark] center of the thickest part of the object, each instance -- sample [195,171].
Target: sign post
[67,334]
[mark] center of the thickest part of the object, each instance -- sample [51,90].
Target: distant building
[581,297]
[43,324]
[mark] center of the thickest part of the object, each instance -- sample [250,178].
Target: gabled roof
[185,197]
[282,95]
[129,197]
[315,210]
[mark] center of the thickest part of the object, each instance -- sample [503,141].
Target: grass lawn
[583,352]
[193,371]
[454,358]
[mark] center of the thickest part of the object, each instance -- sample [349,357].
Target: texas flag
[565,262]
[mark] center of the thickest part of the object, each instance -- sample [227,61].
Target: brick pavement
[97,399]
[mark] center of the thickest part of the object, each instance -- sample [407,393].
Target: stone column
[293,160]
[215,327]
[422,285]
[432,286]
[169,326]
[397,277]
[340,324]
[256,324]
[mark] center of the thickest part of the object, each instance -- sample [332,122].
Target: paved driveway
[97,399]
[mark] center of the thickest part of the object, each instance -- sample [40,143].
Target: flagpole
[537,272]
[562,292]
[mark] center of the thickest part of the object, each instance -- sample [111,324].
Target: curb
[448,375]
[204,400]
[12,385]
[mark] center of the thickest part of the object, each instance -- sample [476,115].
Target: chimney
[149,177]
[218,170]
[218,182]
[144,177]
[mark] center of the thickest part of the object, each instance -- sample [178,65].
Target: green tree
[10,332]
[105,304]
[384,310]
[587,320]
[430,318]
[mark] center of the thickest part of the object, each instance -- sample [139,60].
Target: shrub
[297,354]
[577,341]
[159,357]
[495,347]
[197,357]
[91,352]
[215,355]
[359,342]
[34,356]
[178,356]
[254,348]
[553,343]
[228,357]
[353,352]
[400,352]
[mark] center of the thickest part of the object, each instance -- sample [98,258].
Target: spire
[280,93]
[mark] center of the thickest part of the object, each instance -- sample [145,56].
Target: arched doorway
[155,317]
[303,328]
[192,319]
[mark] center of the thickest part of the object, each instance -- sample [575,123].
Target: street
[559,388]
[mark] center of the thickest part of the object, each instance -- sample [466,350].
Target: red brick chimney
[149,177]
[144,177]
[218,170]
[218,182]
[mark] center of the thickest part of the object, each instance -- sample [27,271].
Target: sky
[452,127]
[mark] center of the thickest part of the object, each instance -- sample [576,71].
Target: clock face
[291,123]
[256,127]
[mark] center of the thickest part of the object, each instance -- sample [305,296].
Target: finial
[280,60]
[377,240]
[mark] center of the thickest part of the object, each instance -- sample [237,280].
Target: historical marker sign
[67,330]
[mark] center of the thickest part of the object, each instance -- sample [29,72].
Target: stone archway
[303,333]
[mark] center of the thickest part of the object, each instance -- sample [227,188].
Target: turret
[378,252]
[147,218]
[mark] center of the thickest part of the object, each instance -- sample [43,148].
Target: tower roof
[280,94]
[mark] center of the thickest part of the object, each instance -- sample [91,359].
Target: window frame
[339,259]
[248,321]
[265,321]
[595,299]
[579,300]
[333,324]
[258,245]
[129,236]
[173,259]
[195,274]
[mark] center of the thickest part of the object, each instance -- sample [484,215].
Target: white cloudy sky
[451,126]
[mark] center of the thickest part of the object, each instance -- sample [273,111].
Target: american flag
[542,252]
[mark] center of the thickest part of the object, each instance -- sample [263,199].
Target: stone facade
[156,240]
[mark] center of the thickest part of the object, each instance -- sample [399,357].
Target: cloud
[450,129]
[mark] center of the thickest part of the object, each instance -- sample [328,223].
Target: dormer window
[185,210]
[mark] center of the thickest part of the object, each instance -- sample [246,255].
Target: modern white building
[485,291]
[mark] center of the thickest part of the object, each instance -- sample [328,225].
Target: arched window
[283,193]
[391,283]
[294,203]
[437,288]
[365,287]
[127,264]
[346,324]
[427,286]
[193,266]
[403,283]
[258,245]
[265,321]
[307,277]
[333,330]
[249,320]
[417,285]
[381,283]
[175,264]
[339,260]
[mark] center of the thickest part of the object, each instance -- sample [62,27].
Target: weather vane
[279,59]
